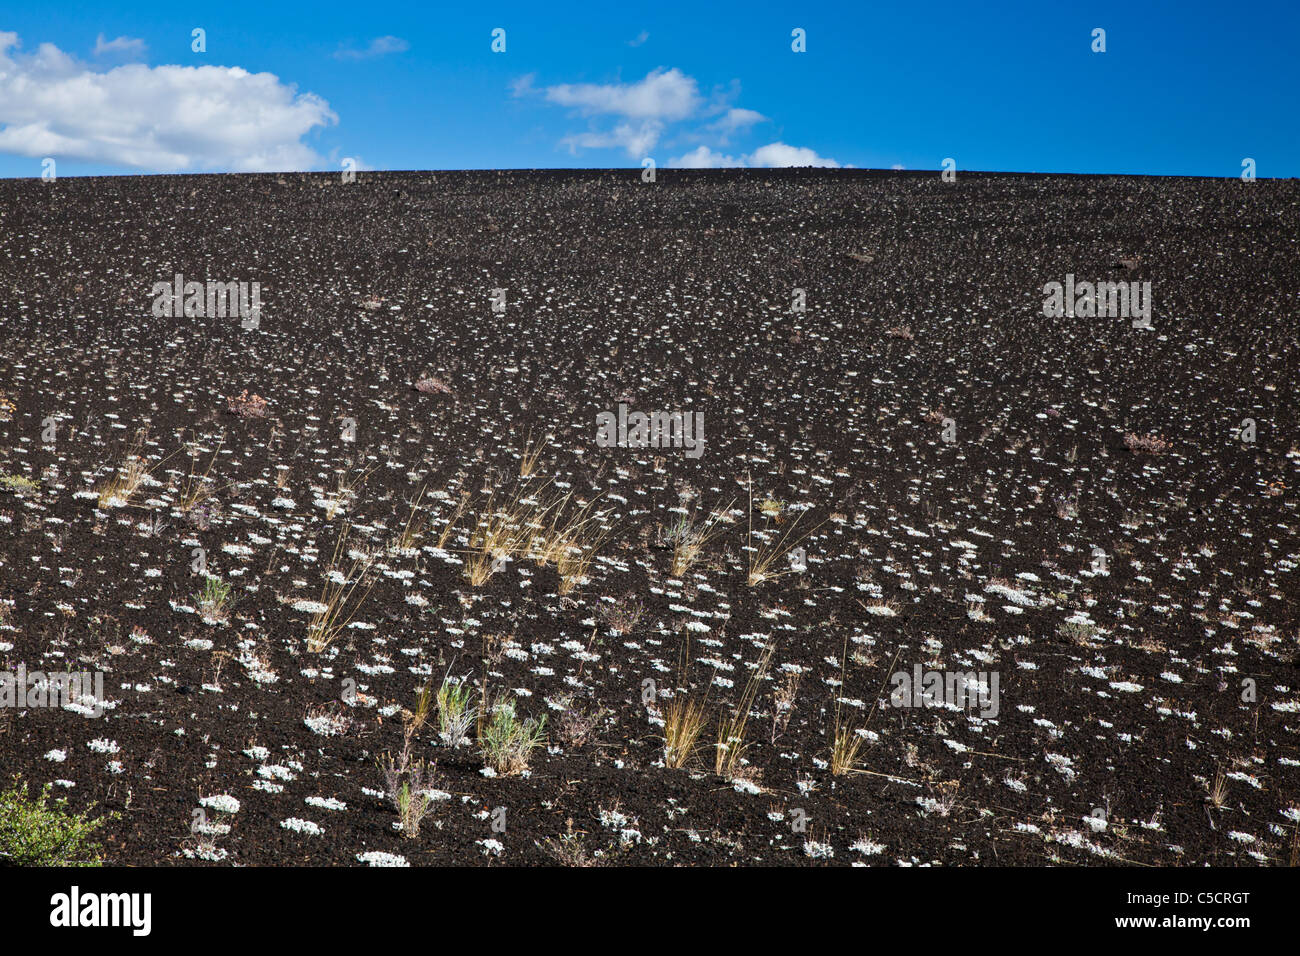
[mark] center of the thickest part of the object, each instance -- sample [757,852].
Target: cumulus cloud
[779,154]
[704,158]
[640,38]
[132,47]
[644,108]
[379,46]
[636,139]
[734,121]
[664,95]
[772,155]
[162,119]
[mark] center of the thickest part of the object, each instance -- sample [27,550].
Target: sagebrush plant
[569,848]
[576,724]
[38,831]
[506,741]
[214,599]
[455,713]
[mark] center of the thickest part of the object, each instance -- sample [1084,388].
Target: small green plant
[214,599]
[35,831]
[507,741]
[18,483]
[1078,631]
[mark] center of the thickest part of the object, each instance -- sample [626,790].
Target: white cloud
[737,119]
[667,95]
[647,107]
[704,158]
[636,139]
[162,119]
[379,46]
[122,46]
[769,156]
[779,154]
[640,38]
[523,85]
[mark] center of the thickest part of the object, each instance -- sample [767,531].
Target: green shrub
[507,741]
[37,832]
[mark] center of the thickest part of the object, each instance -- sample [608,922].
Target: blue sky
[1186,88]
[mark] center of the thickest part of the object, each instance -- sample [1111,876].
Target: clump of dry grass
[445,533]
[345,492]
[410,534]
[765,558]
[198,488]
[333,616]
[846,741]
[689,539]
[531,454]
[1217,792]
[499,535]
[542,527]
[128,477]
[683,722]
[844,749]
[731,744]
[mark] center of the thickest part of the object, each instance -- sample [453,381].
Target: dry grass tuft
[731,744]
[683,721]
[764,559]
[689,539]
[327,623]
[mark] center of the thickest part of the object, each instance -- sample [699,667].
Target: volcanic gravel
[953,463]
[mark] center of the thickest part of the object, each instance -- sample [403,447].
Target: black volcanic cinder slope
[1139,611]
